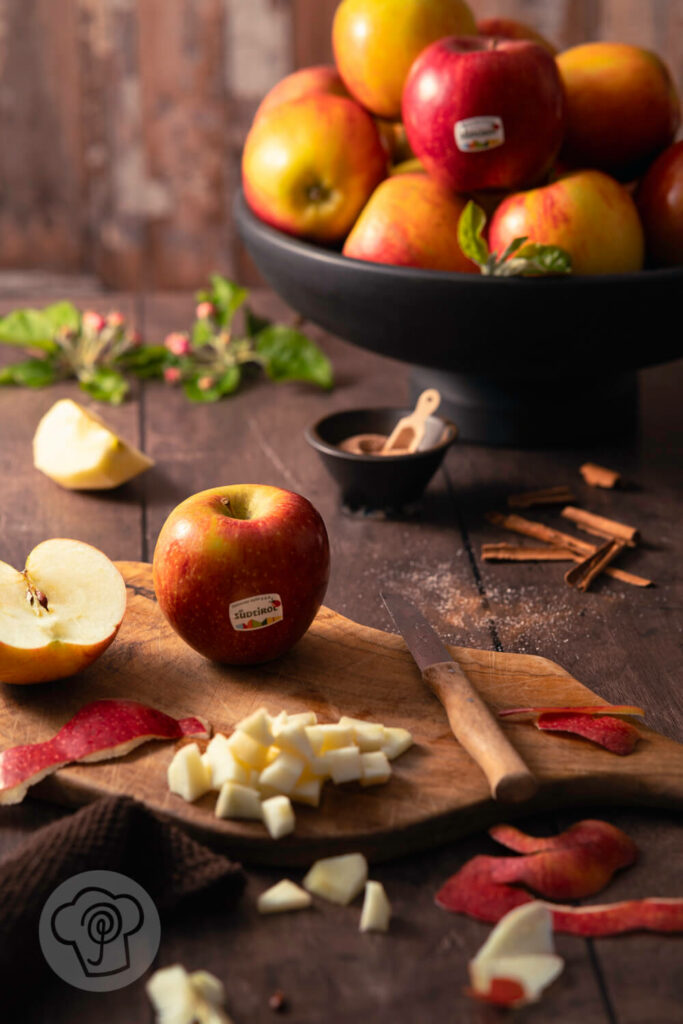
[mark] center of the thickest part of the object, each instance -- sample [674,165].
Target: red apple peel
[100,731]
[597,724]
[501,992]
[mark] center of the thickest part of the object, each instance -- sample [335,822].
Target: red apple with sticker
[310,165]
[240,571]
[659,198]
[410,221]
[376,41]
[623,108]
[587,213]
[484,113]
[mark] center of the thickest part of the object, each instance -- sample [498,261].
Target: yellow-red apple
[659,198]
[410,221]
[509,28]
[58,614]
[588,213]
[376,41]
[304,82]
[310,165]
[622,107]
[484,113]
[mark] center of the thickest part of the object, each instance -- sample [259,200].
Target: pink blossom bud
[178,344]
[134,338]
[204,383]
[172,375]
[115,319]
[92,321]
[204,310]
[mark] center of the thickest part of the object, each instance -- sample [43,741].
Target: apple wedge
[60,613]
[76,449]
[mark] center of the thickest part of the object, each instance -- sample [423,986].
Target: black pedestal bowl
[517,360]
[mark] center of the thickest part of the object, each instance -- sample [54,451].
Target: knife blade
[472,722]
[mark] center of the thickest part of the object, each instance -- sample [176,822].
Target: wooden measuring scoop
[410,430]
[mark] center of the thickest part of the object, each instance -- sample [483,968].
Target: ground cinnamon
[583,574]
[547,496]
[600,526]
[599,476]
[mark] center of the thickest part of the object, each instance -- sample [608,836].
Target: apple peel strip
[598,725]
[577,863]
[100,731]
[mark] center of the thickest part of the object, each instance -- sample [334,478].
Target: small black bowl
[388,483]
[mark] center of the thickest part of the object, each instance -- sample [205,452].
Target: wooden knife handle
[478,732]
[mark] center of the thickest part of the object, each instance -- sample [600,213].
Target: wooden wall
[121,121]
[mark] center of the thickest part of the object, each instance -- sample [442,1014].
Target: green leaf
[226,296]
[470,239]
[63,316]
[253,323]
[546,259]
[512,248]
[226,384]
[202,333]
[106,385]
[32,373]
[288,354]
[145,361]
[29,328]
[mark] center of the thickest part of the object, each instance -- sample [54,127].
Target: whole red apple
[659,198]
[376,41]
[310,165]
[622,107]
[510,28]
[587,213]
[410,220]
[484,113]
[240,571]
[304,82]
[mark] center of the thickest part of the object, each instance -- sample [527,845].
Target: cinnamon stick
[539,531]
[522,553]
[599,476]
[548,496]
[583,574]
[600,526]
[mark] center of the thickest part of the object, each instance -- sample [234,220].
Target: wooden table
[623,642]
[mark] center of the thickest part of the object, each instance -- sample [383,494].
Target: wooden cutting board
[436,794]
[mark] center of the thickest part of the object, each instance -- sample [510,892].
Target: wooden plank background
[122,120]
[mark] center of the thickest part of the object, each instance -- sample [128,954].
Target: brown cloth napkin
[112,834]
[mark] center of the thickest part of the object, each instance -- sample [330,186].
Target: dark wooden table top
[623,642]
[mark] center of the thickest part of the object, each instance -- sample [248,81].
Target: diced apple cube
[307,791]
[258,726]
[285,895]
[302,718]
[342,765]
[376,768]
[282,774]
[223,763]
[278,816]
[248,750]
[235,801]
[188,775]
[291,738]
[396,741]
[376,910]
[329,737]
[368,735]
[172,994]
[338,879]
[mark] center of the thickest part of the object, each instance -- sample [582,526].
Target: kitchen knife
[472,723]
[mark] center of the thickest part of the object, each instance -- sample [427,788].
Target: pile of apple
[427,108]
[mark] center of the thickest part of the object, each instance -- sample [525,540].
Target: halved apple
[60,613]
[75,448]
